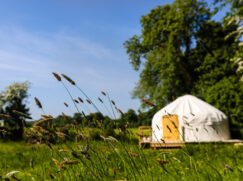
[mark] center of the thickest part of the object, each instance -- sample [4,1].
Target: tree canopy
[13,103]
[181,50]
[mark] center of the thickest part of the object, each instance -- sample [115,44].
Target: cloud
[27,55]
[37,54]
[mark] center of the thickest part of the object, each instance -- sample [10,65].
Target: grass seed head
[148,102]
[49,145]
[227,167]
[51,176]
[119,110]
[175,124]
[113,102]
[139,134]
[161,161]
[102,92]
[81,100]
[88,101]
[68,79]
[15,178]
[47,116]
[37,102]
[100,100]
[102,137]
[64,115]
[5,115]
[22,114]
[192,114]
[70,162]
[133,154]
[169,113]
[61,134]
[75,155]
[162,140]
[10,174]
[57,76]
[60,165]
[23,123]
[63,150]
[75,101]
[65,104]
[41,121]
[169,128]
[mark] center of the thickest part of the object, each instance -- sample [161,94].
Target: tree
[13,99]
[146,117]
[213,53]
[131,117]
[234,17]
[168,37]
[218,80]
[184,52]
[227,95]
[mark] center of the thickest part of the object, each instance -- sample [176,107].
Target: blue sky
[80,38]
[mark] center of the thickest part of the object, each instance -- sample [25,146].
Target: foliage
[228,92]
[168,36]
[109,132]
[145,118]
[185,52]
[234,17]
[131,117]
[95,134]
[13,98]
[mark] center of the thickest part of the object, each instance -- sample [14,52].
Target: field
[110,159]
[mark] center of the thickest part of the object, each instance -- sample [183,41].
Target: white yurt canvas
[189,119]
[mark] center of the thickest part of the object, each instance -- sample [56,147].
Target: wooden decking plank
[178,144]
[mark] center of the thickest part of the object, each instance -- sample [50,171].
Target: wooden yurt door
[171,128]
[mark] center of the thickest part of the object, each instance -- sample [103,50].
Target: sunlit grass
[111,162]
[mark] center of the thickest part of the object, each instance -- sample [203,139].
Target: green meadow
[110,159]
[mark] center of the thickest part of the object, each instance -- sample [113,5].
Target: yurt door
[170,128]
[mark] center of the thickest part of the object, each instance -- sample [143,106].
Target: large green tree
[166,44]
[13,103]
[181,50]
[218,83]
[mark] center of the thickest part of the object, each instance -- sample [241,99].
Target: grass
[117,161]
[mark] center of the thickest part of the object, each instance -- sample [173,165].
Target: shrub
[109,131]
[94,134]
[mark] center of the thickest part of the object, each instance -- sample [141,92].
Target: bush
[109,131]
[226,95]
[94,134]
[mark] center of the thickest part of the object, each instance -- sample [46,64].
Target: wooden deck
[179,144]
[167,145]
[145,140]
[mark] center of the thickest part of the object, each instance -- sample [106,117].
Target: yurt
[189,119]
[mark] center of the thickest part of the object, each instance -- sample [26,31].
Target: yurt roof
[192,110]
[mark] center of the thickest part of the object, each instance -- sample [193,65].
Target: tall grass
[108,160]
